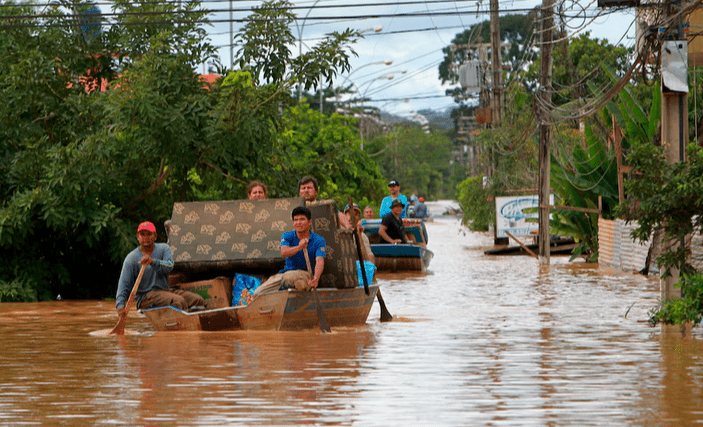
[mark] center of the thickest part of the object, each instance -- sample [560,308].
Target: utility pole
[674,122]
[545,131]
[496,66]
[231,37]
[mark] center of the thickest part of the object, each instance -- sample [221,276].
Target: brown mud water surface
[475,341]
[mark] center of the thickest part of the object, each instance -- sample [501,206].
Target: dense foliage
[81,166]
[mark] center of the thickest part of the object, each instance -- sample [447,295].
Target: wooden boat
[413,256]
[213,242]
[286,310]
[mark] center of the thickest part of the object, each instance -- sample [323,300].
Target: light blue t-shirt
[386,206]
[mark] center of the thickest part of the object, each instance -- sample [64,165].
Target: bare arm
[319,268]
[382,232]
[289,251]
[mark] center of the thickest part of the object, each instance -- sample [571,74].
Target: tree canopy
[101,131]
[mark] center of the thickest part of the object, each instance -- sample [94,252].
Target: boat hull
[282,310]
[403,257]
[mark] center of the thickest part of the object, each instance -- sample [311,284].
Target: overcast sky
[413,44]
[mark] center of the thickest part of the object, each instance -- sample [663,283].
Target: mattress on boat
[244,236]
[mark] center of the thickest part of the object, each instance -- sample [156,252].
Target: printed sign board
[511,215]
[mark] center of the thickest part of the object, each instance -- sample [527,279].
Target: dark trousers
[182,300]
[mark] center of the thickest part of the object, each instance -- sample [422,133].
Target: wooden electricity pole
[674,123]
[545,131]
[496,66]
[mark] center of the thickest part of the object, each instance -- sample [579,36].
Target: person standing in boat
[392,229]
[385,209]
[307,189]
[153,289]
[257,190]
[368,212]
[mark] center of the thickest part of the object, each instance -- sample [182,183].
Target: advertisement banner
[511,215]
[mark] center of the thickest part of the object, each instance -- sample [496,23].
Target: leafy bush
[477,204]
[688,308]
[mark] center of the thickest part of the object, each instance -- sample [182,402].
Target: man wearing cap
[385,209]
[392,229]
[364,239]
[421,209]
[153,289]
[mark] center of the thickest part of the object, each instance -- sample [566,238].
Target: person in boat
[307,189]
[410,210]
[421,209]
[300,239]
[394,189]
[257,190]
[413,197]
[153,289]
[392,229]
[369,213]
[295,271]
[364,239]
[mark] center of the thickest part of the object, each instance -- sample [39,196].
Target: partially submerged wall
[617,249]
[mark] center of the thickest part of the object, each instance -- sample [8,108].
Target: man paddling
[153,289]
[295,271]
[293,243]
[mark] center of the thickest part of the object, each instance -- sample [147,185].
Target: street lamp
[300,45]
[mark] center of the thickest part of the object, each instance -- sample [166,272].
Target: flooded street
[477,341]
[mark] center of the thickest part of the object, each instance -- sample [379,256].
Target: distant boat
[413,256]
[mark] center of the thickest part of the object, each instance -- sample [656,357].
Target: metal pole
[231,37]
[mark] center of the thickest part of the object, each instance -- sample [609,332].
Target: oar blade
[385,314]
[324,324]
[119,327]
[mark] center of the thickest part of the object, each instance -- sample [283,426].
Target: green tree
[81,167]
[418,159]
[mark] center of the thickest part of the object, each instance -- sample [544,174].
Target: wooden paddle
[324,325]
[119,327]
[385,314]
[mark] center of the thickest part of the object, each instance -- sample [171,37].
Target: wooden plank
[569,208]
[522,245]
[617,140]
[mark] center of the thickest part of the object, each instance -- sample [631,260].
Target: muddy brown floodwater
[477,341]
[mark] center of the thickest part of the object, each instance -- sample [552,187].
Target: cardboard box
[216,292]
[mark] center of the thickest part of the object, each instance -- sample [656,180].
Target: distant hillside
[440,120]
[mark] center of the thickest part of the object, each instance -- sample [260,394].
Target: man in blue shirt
[385,209]
[293,243]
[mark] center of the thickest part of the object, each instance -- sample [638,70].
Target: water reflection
[480,341]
